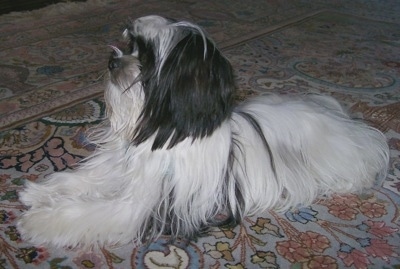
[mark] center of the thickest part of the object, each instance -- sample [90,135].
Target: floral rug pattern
[352,58]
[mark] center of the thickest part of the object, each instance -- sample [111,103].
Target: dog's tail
[287,152]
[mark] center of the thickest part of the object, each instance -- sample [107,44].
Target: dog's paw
[35,226]
[72,223]
[47,226]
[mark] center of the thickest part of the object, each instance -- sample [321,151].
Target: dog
[177,152]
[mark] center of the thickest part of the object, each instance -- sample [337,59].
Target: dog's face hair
[188,85]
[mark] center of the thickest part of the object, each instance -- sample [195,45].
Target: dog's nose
[114,63]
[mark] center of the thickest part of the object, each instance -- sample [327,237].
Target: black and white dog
[176,151]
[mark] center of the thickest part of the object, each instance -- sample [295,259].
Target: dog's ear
[190,96]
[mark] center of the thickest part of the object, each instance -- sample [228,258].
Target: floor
[8,6]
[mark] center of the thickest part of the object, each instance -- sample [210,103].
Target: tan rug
[354,58]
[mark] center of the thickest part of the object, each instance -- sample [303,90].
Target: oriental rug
[353,58]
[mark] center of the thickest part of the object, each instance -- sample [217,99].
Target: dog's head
[186,83]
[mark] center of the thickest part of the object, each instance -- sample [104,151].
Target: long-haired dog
[176,151]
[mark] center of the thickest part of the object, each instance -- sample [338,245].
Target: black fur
[191,97]
[254,123]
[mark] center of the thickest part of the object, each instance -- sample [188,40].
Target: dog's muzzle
[115,60]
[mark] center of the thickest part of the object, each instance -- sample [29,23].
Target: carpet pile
[51,83]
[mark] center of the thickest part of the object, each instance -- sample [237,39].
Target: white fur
[109,197]
[162,34]
[314,149]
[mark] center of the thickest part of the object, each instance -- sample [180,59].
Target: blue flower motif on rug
[302,215]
